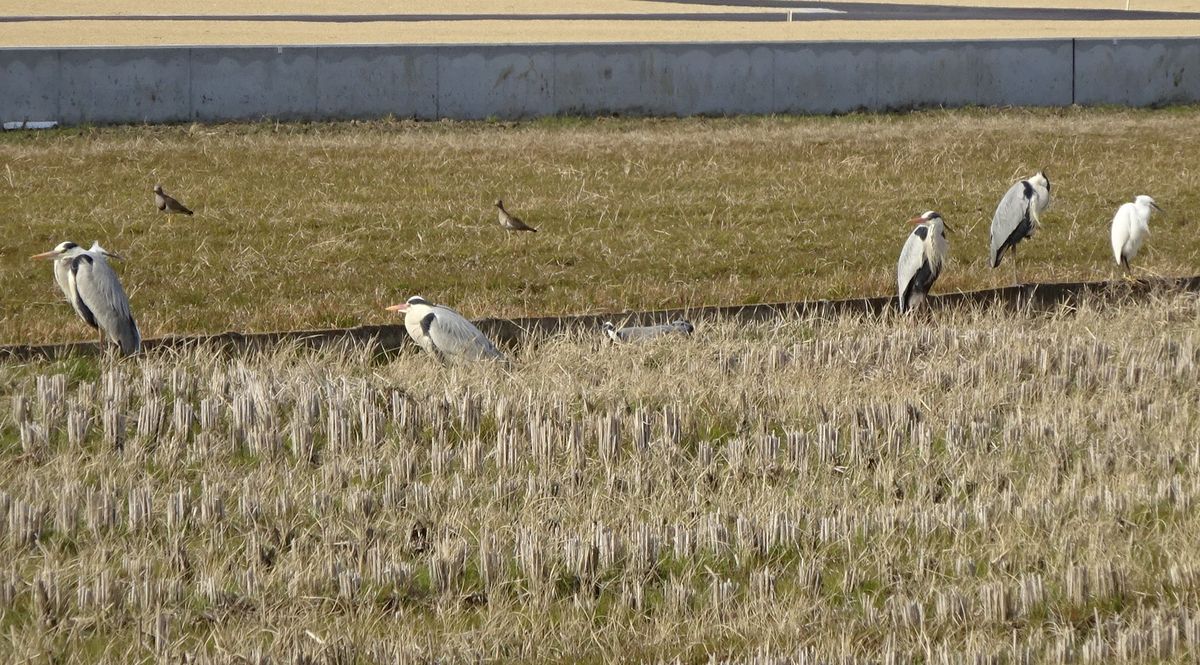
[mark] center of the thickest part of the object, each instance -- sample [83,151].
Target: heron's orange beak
[917,220]
[402,307]
[45,255]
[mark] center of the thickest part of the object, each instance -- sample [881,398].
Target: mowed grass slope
[988,487]
[313,225]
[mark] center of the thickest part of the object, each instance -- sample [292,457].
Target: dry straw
[979,487]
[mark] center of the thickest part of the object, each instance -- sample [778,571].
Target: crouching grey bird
[92,288]
[443,332]
[510,221]
[1018,216]
[921,260]
[166,203]
[643,333]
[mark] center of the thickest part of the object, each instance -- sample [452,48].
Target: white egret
[921,260]
[1018,216]
[443,332]
[1130,227]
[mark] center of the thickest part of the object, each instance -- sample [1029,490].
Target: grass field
[250,33]
[159,33]
[301,226]
[990,487]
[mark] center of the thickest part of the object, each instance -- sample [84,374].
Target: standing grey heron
[443,332]
[168,204]
[511,221]
[1018,216]
[643,333]
[1130,226]
[921,260]
[92,288]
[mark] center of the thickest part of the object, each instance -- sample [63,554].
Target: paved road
[773,11]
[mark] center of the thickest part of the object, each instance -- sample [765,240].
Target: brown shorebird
[511,222]
[168,204]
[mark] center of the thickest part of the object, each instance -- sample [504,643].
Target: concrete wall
[180,84]
[516,332]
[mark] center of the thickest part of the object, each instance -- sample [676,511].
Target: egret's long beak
[52,254]
[1155,206]
[402,307]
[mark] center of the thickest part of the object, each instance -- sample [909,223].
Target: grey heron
[168,204]
[92,288]
[443,332]
[1130,226]
[643,333]
[1018,216]
[511,221]
[921,260]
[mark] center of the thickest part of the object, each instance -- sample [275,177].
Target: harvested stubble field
[990,487]
[320,225]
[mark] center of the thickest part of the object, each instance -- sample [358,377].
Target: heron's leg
[1016,281]
[102,347]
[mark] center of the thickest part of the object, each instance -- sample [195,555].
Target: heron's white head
[930,217]
[158,189]
[411,302]
[684,325]
[1040,179]
[60,250]
[1143,201]
[499,203]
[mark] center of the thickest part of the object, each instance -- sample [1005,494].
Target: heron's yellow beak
[917,220]
[45,255]
[398,308]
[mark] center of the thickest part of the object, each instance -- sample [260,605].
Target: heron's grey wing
[912,257]
[453,335]
[1011,222]
[98,289]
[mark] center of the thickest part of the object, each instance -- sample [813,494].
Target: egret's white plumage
[642,333]
[95,292]
[1130,227]
[444,332]
[1018,215]
[921,260]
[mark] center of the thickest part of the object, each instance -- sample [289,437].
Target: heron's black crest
[686,325]
[427,323]
[921,232]
[608,325]
[68,245]
[417,300]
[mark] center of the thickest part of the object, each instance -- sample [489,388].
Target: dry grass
[203,7]
[302,226]
[990,488]
[252,33]
[504,32]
